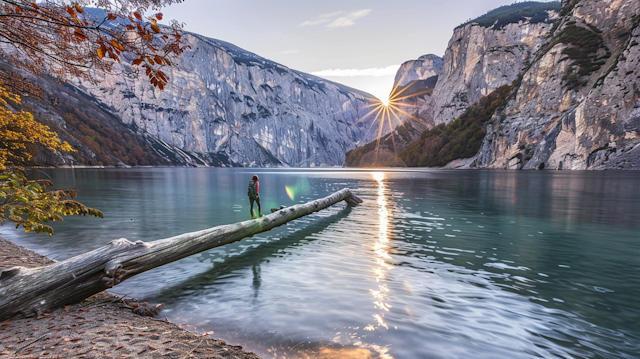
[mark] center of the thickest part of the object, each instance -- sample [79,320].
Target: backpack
[251,191]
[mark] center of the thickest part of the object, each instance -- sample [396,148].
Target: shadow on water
[251,258]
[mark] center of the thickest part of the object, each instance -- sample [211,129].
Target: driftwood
[34,291]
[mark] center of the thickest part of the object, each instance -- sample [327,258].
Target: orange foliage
[63,40]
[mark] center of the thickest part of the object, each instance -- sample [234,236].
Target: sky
[354,42]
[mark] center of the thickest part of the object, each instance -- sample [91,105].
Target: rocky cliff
[481,59]
[578,103]
[226,106]
[573,76]
[424,67]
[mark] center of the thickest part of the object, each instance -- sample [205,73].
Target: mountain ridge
[223,106]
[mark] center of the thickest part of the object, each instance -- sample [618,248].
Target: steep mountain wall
[224,105]
[481,59]
[98,137]
[578,104]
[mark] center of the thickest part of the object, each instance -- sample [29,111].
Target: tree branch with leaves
[27,203]
[65,40]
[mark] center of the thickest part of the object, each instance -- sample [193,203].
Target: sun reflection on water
[381,249]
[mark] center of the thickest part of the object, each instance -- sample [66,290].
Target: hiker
[254,187]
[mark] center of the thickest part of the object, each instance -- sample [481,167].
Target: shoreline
[101,326]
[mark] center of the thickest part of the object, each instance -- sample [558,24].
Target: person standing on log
[254,187]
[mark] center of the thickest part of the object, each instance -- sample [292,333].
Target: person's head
[255,177]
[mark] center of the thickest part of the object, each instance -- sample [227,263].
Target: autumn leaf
[116,44]
[162,77]
[79,34]
[48,36]
[71,11]
[136,62]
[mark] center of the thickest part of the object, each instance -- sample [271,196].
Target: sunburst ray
[389,114]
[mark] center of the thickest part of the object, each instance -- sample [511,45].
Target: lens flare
[291,192]
[302,187]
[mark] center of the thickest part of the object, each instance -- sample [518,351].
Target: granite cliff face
[481,59]
[578,104]
[226,106]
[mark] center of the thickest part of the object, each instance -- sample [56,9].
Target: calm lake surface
[433,264]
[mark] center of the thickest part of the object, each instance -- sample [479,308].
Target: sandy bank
[100,327]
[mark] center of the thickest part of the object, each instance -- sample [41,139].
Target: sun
[387,113]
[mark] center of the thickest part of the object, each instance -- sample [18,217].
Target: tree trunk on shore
[34,291]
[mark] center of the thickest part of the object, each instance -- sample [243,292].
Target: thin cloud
[348,20]
[334,20]
[321,19]
[377,72]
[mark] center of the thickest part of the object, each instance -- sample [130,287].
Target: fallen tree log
[34,291]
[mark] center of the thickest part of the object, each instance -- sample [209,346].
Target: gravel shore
[103,326]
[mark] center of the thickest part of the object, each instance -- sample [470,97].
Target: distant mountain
[425,67]
[413,95]
[223,106]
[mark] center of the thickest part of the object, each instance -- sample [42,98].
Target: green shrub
[584,44]
[514,13]
[461,138]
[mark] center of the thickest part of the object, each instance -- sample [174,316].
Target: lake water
[433,264]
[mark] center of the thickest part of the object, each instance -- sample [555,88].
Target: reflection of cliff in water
[571,197]
[250,259]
